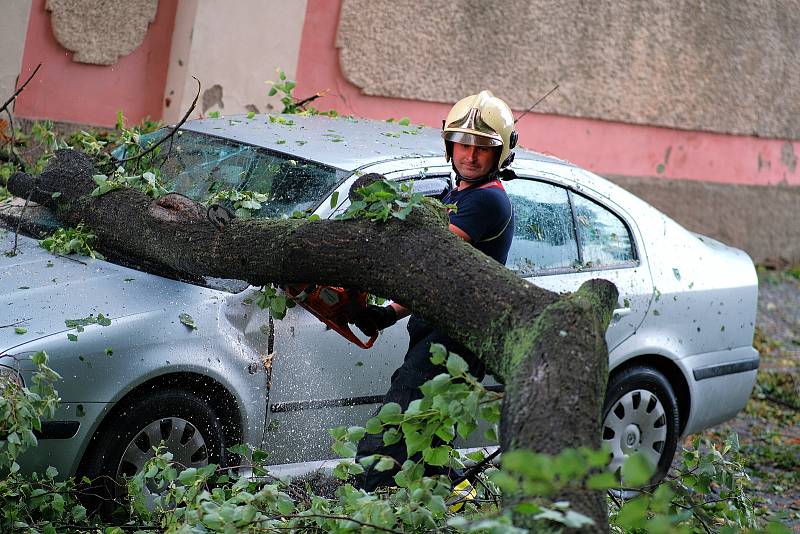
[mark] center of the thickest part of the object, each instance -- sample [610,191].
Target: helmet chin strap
[474,181]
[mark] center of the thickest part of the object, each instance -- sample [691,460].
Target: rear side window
[544,232]
[603,236]
[558,230]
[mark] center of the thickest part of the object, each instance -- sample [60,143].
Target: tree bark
[554,383]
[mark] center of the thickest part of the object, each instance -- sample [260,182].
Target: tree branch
[18,91]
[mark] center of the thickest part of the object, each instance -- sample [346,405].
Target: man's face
[472,161]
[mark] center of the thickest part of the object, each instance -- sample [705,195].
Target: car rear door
[563,238]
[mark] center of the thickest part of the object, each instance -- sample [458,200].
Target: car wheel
[188,426]
[641,415]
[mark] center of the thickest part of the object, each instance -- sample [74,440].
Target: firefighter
[478,136]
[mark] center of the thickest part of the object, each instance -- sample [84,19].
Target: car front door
[319,380]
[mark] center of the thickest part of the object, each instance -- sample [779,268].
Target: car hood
[39,291]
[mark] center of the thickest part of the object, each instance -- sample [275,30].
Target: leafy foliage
[292,105]
[709,493]
[273,298]
[78,240]
[245,203]
[146,182]
[384,199]
[22,409]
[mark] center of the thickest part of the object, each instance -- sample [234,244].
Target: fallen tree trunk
[544,347]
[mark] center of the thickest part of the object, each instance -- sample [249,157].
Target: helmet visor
[468,138]
[472,130]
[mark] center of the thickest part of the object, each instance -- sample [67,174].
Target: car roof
[346,143]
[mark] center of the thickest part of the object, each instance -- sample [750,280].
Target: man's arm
[459,232]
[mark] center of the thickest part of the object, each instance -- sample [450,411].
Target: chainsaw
[334,306]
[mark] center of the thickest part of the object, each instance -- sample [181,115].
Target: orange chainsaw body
[334,306]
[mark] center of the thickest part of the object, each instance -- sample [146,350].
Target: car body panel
[145,339]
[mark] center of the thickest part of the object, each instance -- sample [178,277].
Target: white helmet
[482,120]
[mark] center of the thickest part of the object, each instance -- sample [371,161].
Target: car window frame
[626,264]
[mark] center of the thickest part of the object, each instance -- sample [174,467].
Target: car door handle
[619,313]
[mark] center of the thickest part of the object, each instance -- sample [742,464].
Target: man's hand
[374,318]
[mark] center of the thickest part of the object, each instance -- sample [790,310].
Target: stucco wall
[233,48]
[13,25]
[67,91]
[730,67]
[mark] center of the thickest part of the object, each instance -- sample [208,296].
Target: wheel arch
[673,374]
[221,400]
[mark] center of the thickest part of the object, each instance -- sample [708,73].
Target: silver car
[680,341]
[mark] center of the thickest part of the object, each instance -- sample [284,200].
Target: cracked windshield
[250,181]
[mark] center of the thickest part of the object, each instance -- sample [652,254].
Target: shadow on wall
[761,220]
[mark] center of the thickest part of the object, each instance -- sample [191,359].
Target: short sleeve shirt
[486,216]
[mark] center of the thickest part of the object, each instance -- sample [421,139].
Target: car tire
[190,428]
[640,414]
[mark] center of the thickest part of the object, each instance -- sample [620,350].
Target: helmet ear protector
[512,142]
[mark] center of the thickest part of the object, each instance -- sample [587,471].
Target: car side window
[544,232]
[604,238]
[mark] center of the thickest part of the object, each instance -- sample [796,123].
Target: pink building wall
[92,94]
[607,148]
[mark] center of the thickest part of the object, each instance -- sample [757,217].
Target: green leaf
[438,353]
[374,426]
[405,121]
[251,114]
[390,413]
[51,472]
[72,337]
[436,455]
[527,508]
[456,365]
[344,449]
[78,512]
[384,464]
[633,513]
[355,433]
[602,481]
[20,330]
[476,456]
[334,199]
[637,470]
[285,505]
[186,319]
[391,436]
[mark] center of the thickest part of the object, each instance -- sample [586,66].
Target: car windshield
[253,181]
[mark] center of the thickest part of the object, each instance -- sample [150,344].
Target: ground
[769,426]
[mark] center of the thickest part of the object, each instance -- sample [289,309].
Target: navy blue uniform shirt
[486,216]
